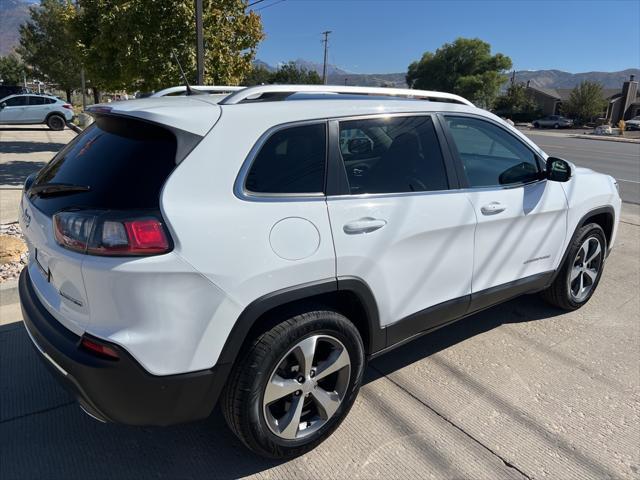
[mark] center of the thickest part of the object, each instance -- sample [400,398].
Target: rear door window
[35,100]
[124,162]
[392,155]
[291,161]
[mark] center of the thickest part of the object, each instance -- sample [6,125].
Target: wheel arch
[602,216]
[349,295]
[55,112]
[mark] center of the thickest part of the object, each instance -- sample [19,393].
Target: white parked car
[29,109]
[259,251]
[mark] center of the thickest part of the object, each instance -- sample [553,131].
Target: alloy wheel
[307,387]
[585,269]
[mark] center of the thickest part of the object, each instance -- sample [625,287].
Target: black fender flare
[581,223]
[252,313]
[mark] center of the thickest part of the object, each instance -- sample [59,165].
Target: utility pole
[83,85]
[199,43]
[326,52]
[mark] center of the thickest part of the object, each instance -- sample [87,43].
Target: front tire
[581,271]
[295,384]
[55,122]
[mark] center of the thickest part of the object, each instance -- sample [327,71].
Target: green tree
[128,44]
[585,102]
[290,73]
[12,70]
[257,76]
[517,104]
[465,67]
[48,44]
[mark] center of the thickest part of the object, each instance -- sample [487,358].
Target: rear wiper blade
[48,189]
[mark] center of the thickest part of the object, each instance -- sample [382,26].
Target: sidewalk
[23,151]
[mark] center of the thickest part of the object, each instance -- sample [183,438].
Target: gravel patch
[13,252]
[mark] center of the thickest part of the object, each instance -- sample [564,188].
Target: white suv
[30,109]
[260,250]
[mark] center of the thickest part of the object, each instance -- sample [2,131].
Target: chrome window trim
[366,196]
[242,193]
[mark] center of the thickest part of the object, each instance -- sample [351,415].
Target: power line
[267,6]
[253,3]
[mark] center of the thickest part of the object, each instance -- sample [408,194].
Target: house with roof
[622,104]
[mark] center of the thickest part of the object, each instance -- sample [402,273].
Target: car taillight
[66,105]
[110,234]
[98,348]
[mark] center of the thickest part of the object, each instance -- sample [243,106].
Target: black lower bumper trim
[119,391]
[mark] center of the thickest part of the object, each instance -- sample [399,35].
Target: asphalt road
[620,160]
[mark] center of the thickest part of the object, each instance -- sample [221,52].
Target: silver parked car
[28,109]
[553,121]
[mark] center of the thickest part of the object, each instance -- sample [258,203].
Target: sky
[384,36]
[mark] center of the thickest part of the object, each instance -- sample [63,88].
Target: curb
[9,292]
[607,139]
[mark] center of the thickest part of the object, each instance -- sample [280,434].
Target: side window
[33,100]
[490,156]
[292,160]
[49,100]
[16,101]
[392,155]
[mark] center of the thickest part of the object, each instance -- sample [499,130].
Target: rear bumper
[120,391]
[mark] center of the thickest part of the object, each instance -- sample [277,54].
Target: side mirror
[558,170]
[2,105]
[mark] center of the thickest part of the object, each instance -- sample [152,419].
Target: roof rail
[281,92]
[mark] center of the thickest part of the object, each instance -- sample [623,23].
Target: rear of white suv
[262,249]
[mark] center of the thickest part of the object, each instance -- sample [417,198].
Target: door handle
[493,208]
[364,225]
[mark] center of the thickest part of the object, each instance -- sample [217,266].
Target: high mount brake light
[108,234]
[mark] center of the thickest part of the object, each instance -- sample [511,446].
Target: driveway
[24,150]
[518,391]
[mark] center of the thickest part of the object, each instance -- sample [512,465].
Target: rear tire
[280,404]
[556,126]
[581,271]
[56,122]
[536,125]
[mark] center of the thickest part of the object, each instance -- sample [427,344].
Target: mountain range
[536,78]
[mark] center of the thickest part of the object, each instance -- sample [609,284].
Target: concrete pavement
[519,391]
[24,150]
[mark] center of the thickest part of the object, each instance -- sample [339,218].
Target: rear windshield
[124,162]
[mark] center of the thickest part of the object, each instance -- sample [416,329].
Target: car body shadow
[522,309]
[43,433]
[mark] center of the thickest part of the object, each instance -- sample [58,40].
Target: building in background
[624,105]
[621,104]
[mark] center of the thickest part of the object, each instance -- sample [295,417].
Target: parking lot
[521,390]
